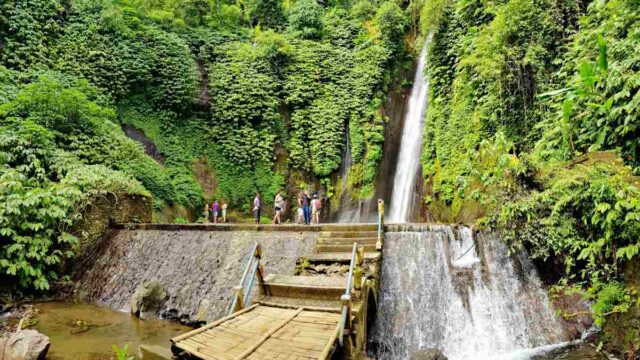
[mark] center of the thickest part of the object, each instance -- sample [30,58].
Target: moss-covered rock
[148,299]
[621,334]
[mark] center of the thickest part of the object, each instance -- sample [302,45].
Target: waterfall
[410,145]
[443,289]
[347,213]
[351,210]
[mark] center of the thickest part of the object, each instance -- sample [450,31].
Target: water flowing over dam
[443,289]
[408,160]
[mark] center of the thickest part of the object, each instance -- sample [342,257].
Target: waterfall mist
[443,289]
[410,146]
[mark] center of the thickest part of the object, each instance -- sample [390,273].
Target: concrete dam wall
[197,265]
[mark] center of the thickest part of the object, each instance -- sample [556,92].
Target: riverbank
[80,331]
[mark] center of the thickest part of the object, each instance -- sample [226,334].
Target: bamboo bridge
[322,312]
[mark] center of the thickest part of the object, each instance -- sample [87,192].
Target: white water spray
[410,145]
[442,289]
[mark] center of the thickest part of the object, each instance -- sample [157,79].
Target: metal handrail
[247,291]
[244,275]
[379,226]
[347,292]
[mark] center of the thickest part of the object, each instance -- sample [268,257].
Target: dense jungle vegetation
[532,128]
[249,93]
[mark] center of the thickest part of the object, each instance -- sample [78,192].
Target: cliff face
[197,268]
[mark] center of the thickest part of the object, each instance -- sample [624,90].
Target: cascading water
[470,299]
[347,212]
[410,145]
[351,210]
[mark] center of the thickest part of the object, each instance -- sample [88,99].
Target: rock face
[148,299]
[196,268]
[24,345]
[621,334]
[428,354]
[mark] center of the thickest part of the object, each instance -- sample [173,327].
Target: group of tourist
[308,211]
[215,210]
[308,208]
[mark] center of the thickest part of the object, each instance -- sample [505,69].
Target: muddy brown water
[83,331]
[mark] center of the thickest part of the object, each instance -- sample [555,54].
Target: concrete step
[348,234]
[305,287]
[342,248]
[350,227]
[279,301]
[324,305]
[347,241]
[341,257]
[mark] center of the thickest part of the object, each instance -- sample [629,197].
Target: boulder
[154,352]
[148,299]
[428,354]
[25,345]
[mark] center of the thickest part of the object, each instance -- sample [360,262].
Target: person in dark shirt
[306,203]
[214,209]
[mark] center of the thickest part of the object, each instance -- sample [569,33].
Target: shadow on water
[83,331]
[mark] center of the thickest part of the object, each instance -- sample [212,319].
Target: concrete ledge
[219,227]
[407,227]
[418,227]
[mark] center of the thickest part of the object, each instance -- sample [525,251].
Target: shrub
[305,17]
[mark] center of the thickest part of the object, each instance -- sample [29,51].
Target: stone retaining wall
[197,267]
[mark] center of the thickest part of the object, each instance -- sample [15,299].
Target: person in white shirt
[278,205]
[316,205]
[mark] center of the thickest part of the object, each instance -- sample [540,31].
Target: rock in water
[154,352]
[24,345]
[428,354]
[148,299]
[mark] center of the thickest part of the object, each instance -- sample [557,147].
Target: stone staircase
[303,316]
[321,278]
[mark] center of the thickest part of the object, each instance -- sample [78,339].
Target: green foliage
[121,58]
[487,63]
[598,109]
[267,13]
[431,15]
[391,23]
[609,298]
[41,193]
[520,87]
[85,129]
[180,220]
[587,215]
[248,113]
[27,30]
[305,17]
[122,353]
[206,84]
